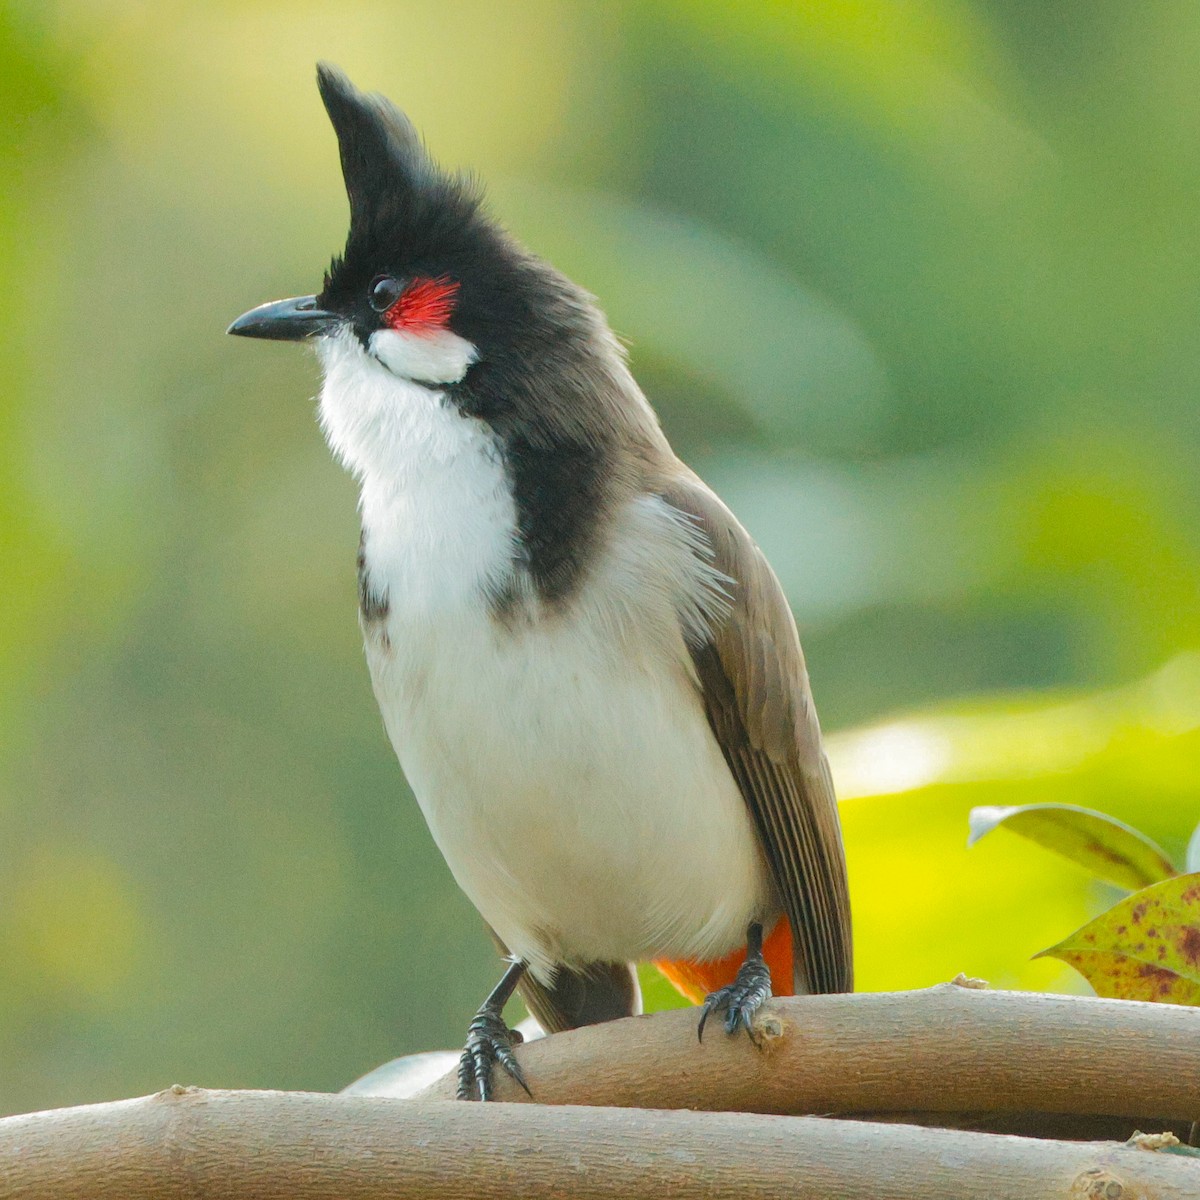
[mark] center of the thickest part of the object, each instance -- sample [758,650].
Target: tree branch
[951,1054]
[944,1050]
[301,1146]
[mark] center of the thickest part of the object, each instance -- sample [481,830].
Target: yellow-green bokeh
[912,283]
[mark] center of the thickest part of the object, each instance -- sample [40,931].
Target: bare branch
[947,1049]
[301,1146]
[951,1054]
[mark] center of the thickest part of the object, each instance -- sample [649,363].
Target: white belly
[577,793]
[563,762]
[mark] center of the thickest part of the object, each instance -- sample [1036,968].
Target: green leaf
[657,993]
[1147,947]
[1191,860]
[1107,847]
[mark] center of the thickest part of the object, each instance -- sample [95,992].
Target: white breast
[563,763]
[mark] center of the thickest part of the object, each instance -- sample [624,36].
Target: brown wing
[756,694]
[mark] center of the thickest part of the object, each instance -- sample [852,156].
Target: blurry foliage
[925,907]
[911,283]
[1147,946]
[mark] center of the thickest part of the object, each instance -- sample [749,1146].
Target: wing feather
[759,705]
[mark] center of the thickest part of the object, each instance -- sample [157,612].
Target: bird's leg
[490,1041]
[745,995]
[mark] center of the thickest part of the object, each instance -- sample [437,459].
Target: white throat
[438,515]
[378,405]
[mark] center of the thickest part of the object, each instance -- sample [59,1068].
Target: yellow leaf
[1147,947]
[1100,843]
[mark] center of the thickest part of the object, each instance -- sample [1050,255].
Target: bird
[585,665]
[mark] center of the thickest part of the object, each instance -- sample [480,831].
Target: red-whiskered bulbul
[587,669]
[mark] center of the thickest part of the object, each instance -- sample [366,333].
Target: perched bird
[586,667]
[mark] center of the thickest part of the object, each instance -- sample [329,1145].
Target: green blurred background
[913,284]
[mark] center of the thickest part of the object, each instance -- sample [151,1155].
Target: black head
[422,251]
[424,257]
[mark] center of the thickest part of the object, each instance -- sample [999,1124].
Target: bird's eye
[384,292]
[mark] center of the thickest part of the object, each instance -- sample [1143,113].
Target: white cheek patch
[430,356]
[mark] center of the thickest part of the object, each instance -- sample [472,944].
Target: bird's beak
[285,320]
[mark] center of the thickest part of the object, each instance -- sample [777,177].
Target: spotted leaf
[1109,848]
[1147,947]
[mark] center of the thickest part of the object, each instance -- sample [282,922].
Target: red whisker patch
[426,304]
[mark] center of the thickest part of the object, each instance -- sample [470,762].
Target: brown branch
[267,1145]
[944,1050]
[958,1054]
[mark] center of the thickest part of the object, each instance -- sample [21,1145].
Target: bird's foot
[741,999]
[489,1041]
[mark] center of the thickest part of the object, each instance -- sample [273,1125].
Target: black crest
[402,205]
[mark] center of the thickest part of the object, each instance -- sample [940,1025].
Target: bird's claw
[489,1041]
[740,1000]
